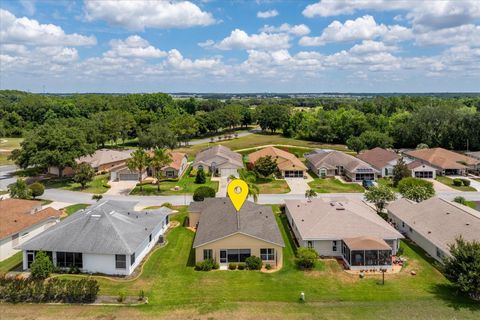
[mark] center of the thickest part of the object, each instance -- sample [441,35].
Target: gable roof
[17,215]
[105,156]
[443,158]
[219,219]
[330,159]
[285,160]
[338,218]
[177,158]
[107,227]
[378,157]
[229,157]
[416,164]
[438,220]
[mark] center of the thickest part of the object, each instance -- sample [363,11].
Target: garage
[424,174]
[127,176]
[293,174]
[227,172]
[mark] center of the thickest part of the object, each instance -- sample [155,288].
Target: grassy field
[6,146]
[97,186]
[186,183]
[176,291]
[449,182]
[11,263]
[74,208]
[256,140]
[332,185]
[272,186]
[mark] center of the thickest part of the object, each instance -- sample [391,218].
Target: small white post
[302,296]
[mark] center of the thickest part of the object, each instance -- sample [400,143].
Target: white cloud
[29,6]
[176,60]
[239,39]
[30,32]
[362,28]
[369,46]
[267,14]
[296,30]
[466,34]
[134,47]
[423,14]
[138,15]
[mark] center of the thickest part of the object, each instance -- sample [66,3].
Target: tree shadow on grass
[448,294]
[191,258]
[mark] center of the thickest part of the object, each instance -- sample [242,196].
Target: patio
[367,253]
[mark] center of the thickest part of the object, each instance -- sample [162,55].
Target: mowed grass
[96,186]
[11,263]
[74,208]
[449,182]
[186,183]
[10,143]
[256,140]
[333,185]
[176,291]
[272,186]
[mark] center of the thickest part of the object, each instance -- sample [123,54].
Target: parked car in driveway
[367,184]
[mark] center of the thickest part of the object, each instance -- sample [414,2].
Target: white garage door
[228,172]
[128,176]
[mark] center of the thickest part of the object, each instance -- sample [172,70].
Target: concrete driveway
[120,188]
[7,176]
[297,185]
[222,186]
[440,187]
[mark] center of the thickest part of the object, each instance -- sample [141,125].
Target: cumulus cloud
[267,14]
[134,47]
[138,15]
[362,28]
[31,32]
[296,30]
[239,39]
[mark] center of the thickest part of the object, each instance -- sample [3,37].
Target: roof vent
[15,220]
[429,232]
[340,208]
[332,204]
[96,216]
[467,224]
[128,213]
[303,220]
[136,217]
[298,206]
[448,212]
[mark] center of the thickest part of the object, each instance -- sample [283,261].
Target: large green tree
[380,196]
[83,174]
[272,117]
[160,158]
[400,171]
[19,190]
[265,166]
[139,162]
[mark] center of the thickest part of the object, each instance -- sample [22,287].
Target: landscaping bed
[186,183]
[98,185]
[272,186]
[449,182]
[333,185]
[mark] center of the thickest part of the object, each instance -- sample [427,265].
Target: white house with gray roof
[344,228]
[434,224]
[109,237]
[219,160]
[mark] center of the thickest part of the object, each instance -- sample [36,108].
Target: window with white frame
[267,254]
[207,254]
[120,261]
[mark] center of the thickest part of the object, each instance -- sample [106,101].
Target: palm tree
[251,181]
[309,194]
[160,159]
[139,161]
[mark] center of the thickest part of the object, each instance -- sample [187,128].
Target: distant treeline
[159,120]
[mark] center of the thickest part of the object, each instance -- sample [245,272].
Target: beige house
[434,224]
[288,164]
[347,229]
[219,160]
[330,163]
[20,220]
[101,160]
[381,159]
[228,236]
[177,167]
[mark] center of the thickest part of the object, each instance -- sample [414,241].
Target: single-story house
[344,228]
[330,163]
[178,165]
[20,220]
[219,160]
[228,236]
[101,160]
[381,159]
[434,224]
[473,154]
[123,173]
[288,164]
[109,237]
[446,162]
[422,170]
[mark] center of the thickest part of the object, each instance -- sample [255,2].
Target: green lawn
[332,185]
[6,146]
[449,182]
[272,186]
[176,291]
[11,263]
[97,186]
[186,183]
[74,208]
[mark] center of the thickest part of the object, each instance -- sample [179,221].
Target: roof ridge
[116,230]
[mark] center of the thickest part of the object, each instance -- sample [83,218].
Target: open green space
[176,291]
[8,144]
[186,183]
[272,186]
[332,185]
[98,185]
[11,263]
[74,208]
[449,182]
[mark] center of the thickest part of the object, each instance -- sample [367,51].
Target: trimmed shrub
[121,296]
[203,192]
[241,266]
[268,266]
[306,258]
[41,267]
[466,182]
[36,189]
[457,182]
[232,266]
[200,178]
[192,173]
[253,263]
[97,197]
[167,205]
[205,265]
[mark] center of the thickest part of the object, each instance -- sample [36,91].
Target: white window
[120,261]
[207,254]
[267,254]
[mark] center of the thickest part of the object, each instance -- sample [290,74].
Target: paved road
[6,176]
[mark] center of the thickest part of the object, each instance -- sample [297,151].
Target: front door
[223,256]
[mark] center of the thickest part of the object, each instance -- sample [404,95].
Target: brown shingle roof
[105,156]
[285,160]
[443,158]
[177,158]
[17,215]
[378,157]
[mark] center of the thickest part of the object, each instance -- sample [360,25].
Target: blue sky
[240,46]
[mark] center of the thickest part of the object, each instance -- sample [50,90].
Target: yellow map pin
[237,191]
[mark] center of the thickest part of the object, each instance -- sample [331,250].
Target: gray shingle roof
[440,221]
[219,219]
[330,159]
[107,227]
[223,155]
[338,218]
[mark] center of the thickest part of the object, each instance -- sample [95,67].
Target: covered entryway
[424,174]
